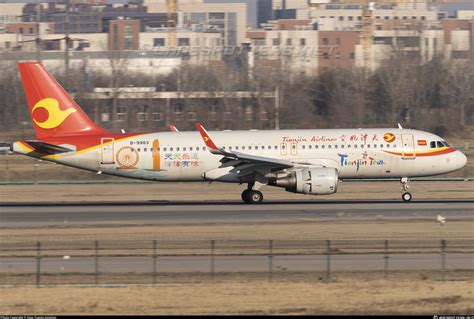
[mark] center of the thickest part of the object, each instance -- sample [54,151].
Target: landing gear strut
[252,196]
[406,196]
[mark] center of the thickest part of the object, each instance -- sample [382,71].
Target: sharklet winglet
[207,139]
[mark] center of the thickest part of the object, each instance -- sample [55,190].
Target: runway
[238,263]
[41,214]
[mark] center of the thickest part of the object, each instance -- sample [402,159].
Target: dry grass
[304,229]
[251,297]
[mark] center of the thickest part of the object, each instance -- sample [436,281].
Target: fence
[154,262]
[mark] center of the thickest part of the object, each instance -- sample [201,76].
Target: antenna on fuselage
[400,126]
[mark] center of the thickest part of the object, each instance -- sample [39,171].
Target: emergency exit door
[107,151]
[408,147]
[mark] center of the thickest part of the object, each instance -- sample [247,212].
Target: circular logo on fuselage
[389,137]
[127,157]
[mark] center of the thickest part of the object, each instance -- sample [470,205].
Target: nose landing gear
[406,196]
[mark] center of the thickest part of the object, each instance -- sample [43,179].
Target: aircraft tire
[245,195]
[254,197]
[406,197]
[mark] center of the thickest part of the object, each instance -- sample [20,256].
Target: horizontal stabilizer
[4,147]
[47,148]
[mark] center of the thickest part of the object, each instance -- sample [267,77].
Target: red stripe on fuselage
[424,154]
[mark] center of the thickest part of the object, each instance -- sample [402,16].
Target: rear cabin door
[408,149]
[107,151]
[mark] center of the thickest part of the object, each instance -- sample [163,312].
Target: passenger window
[381,145]
[164,149]
[355,145]
[237,148]
[342,146]
[191,148]
[316,146]
[243,148]
[275,147]
[304,147]
[361,145]
[388,145]
[329,146]
[171,149]
[138,149]
[145,149]
[335,146]
[433,144]
[310,146]
[177,149]
[368,145]
[323,146]
[349,146]
[184,149]
[440,144]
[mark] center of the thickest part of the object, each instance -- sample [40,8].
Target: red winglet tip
[206,138]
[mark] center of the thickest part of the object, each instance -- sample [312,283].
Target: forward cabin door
[107,150]
[408,149]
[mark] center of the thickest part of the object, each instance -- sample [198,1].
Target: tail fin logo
[55,116]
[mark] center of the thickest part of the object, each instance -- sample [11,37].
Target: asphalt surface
[197,264]
[16,214]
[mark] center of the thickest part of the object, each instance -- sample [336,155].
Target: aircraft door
[107,151]
[408,147]
[294,149]
[283,149]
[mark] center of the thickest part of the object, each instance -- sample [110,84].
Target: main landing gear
[406,196]
[251,195]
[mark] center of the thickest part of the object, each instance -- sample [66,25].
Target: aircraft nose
[461,159]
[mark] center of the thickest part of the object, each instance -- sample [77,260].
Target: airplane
[310,161]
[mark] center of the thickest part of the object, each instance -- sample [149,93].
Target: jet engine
[312,181]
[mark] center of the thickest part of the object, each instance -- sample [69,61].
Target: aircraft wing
[46,148]
[243,164]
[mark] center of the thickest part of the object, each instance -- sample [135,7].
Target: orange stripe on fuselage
[435,152]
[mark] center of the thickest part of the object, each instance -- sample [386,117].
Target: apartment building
[230,19]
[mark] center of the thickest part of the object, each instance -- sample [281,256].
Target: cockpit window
[440,144]
[433,144]
[445,144]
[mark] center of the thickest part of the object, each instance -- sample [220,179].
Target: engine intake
[312,181]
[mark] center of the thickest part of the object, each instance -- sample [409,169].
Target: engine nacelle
[313,181]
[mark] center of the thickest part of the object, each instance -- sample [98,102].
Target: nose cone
[461,160]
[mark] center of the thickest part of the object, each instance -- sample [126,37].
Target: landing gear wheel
[245,195]
[254,197]
[406,197]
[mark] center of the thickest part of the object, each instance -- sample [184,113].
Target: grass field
[250,297]
[419,293]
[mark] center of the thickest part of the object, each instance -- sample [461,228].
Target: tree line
[437,96]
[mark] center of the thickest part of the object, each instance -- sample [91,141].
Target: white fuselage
[355,153]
